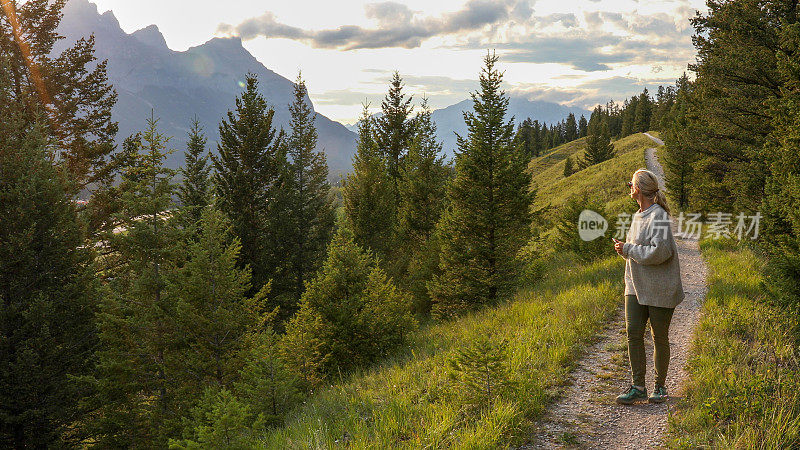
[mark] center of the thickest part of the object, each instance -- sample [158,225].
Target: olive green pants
[636,317]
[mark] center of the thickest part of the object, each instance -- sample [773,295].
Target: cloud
[591,93]
[398,26]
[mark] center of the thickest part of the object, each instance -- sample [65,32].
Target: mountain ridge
[202,81]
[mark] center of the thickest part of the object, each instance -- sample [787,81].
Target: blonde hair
[647,183]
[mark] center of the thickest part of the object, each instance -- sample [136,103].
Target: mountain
[450,120]
[202,81]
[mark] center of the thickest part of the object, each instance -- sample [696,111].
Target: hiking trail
[586,416]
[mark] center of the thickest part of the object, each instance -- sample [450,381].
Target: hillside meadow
[413,399]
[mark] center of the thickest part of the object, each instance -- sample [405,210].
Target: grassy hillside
[556,156]
[606,179]
[411,400]
[744,387]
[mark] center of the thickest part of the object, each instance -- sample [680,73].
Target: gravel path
[587,415]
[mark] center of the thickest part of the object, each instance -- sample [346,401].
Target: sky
[574,52]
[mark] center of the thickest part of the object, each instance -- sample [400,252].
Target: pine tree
[47,294]
[212,313]
[368,191]
[480,373]
[678,157]
[70,90]
[195,191]
[598,149]
[644,112]
[524,138]
[568,169]
[266,385]
[422,192]
[583,127]
[247,173]
[570,128]
[350,316]
[394,129]
[310,209]
[488,217]
[137,328]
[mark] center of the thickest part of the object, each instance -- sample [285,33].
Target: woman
[652,284]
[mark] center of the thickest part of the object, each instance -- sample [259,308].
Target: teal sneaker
[631,395]
[659,395]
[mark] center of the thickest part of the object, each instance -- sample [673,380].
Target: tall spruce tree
[69,89]
[310,209]
[48,298]
[217,322]
[252,157]
[782,203]
[368,191]
[195,191]
[488,218]
[423,193]
[644,112]
[570,128]
[583,127]
[678,157]
[136,362]
[598,148]
[394,129]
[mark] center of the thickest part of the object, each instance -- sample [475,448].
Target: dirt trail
[587,415]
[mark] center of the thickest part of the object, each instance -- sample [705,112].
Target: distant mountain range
[202,81]
[205,80]
[450,120]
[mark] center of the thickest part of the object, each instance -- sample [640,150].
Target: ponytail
[661,199]
[647,182]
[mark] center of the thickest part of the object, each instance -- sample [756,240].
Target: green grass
[744,386]
[606,180]
[406,401]
[555,156]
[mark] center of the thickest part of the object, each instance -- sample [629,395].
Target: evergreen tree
[368,193]
[48,298]
[583,127]
[213,315]
[782,152]
[524,138]
[350,316]
[488,217]
[570,128]
[568,169]
[310,209]
[422,193]
[394,129]
[598,149]
[137,328]
[69,90]
[266,385]
[195,191]
[536,139]
[247,173]
[679,157]
[643,113]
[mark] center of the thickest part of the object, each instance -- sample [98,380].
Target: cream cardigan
[652,270]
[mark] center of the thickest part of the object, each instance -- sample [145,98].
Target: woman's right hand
[618,246]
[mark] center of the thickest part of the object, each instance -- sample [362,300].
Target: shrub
[350,315]
[566,230]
